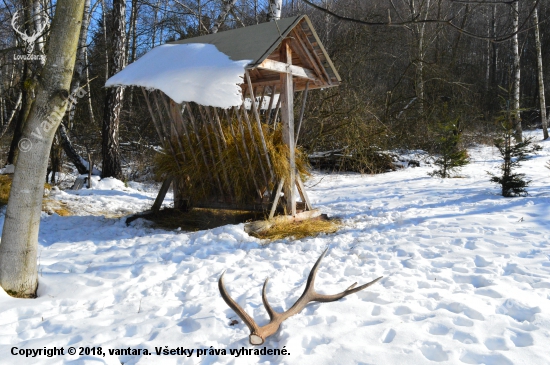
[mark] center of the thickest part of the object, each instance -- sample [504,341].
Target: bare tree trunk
[18,248]
[12,116]
[71,153]
[90,107]
[114,96]
[80,65]
[228,5]
[27,87]
[543,116]
[516,75]
[274,10]
[104,25]
[420,70]
[80,57]
[39,21]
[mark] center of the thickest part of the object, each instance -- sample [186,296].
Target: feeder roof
[209,69]
[261,42]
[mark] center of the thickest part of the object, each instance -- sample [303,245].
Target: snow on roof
[187,72]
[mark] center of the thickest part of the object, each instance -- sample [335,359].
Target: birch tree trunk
[543,116]
[516,75]
[274,10]
[80,65]
[227,6]
[39,21]
[18,248]
[114,96]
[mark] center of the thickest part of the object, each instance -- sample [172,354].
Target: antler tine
[331,298]
[251,324]
[313,272]
[268,308]
[259,334]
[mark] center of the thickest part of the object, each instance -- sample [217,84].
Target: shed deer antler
[259,334]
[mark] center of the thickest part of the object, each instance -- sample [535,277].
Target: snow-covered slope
[466,278]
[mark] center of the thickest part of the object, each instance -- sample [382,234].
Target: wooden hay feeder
[287,57]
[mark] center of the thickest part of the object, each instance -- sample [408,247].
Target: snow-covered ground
[466,277]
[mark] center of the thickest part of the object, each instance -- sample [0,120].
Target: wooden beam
[287,116]
[276,198]
[304,100]
[260,226]
[162,193]
[259,125]
[287,68]
[310,51]
[303,193]
[245,149]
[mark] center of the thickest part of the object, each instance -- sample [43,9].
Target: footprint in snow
[521,339]
[496,344]
[434,352]
[388,336]
[402,310]
[474,358]
[465,338]
[438,329]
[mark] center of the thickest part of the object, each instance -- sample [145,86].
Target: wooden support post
[211,151]
[175,133]
[287,115]
[304,100]
[259,124]
[162,194]
[268,115]
[236,142]
[219,126]
[277,110]
[164,132]
[157,126]
[197,135]
[253,139]
[303,193]
[220,153]
[276,198]
[179,117]
[243,139]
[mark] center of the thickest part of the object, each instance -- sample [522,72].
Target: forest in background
[402,74]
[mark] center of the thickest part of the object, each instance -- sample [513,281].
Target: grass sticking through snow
[48,205]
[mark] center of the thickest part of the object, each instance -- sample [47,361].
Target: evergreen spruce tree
[451,156]
[512,183]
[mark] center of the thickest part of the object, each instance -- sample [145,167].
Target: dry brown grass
[197,218]
[299,230]
[5,186]
[48,205]
[51,206]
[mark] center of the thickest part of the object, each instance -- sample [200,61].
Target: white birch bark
[39,21]
[18,248]
[516,75]
[543,116]
[227,6]
[274,10]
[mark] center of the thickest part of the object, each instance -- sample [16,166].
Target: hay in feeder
[235,170]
